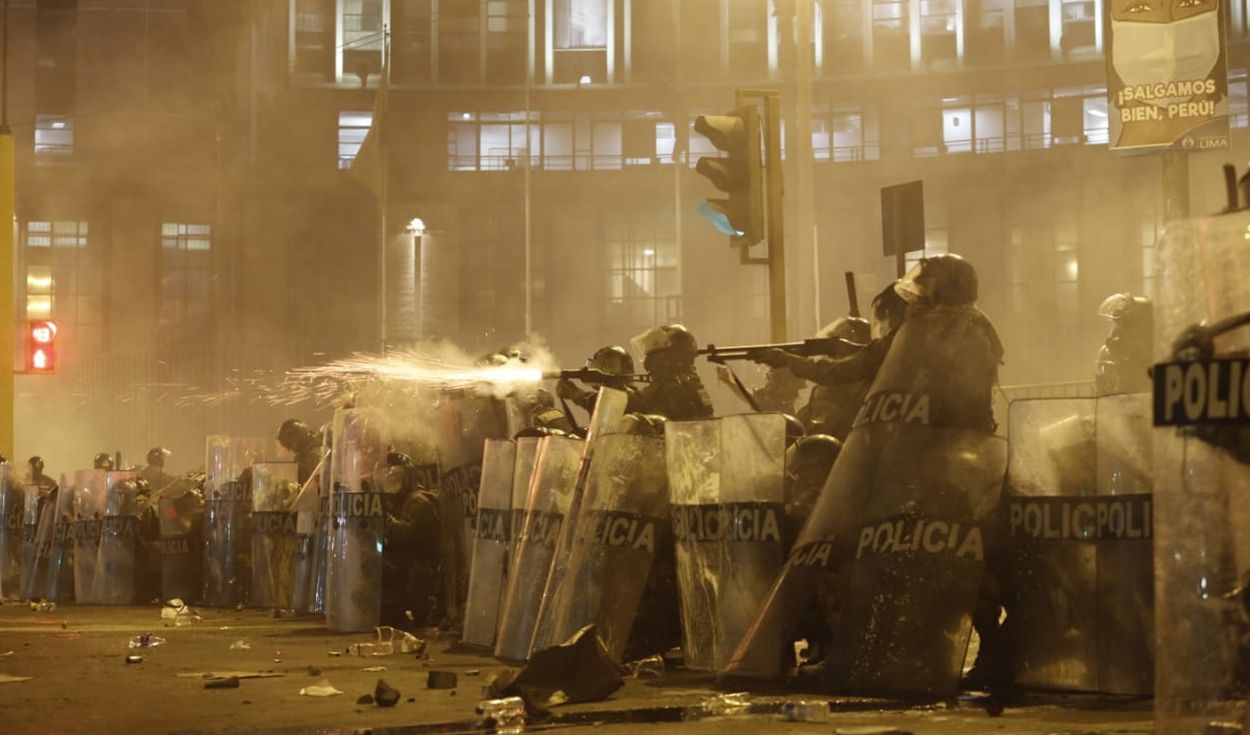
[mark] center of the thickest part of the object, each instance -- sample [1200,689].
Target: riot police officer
[410,543]
[154,474]
[617,368]
[103,461]
[675,390]
[47,486]
[1126,356]
[295,436]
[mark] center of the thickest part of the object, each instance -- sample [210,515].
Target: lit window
[54,135]
[39,299]
[64,281]
[581,24]
[186,272]
[644,277]
[353,127]
[1238,107]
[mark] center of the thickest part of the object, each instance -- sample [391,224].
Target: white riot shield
[43,547]
[90,488]
[726,479]
[546,505]
[274,487]
[12,508]
[607,416]
[354,564]
[117,563]
[622,527]
[307,509]
[465,421]
[522,473]
[227,516]
[1202,482]
[180,514]
[60,585]
[32,505]
[487,576]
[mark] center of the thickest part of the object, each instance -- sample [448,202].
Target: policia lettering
[541,527]
[357,505]
[1111,517]
[493,524]
[1202,392]
[894,407]
[616,529]
[904,534]
[464,482]
[728,522]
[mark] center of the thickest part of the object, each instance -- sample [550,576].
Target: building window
[846,133]
[983,30]
[63,281]
[186,272]
[363,38]
[643,273]
[1238,105]
[1032,42]
[748,46]
[843,37]
[891,43]
[459,41]
[410,41]
[580,42]
[54,135]
[937,28]
[1078,37]
[353,127]
[507,41]
[314,37]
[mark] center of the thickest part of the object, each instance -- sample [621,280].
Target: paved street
[81,684]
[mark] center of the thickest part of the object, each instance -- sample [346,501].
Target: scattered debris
[365,699]
[473,672]
[441,680]
[134,659]
[335,654]
[507,715]
[230,674]
[410,700]
[385,695]
[870,730]
[580,667]
[240,645]
[229,682]
[42,606]
[177,613]
[375,668]
[734,703]
[6,653]
[322,688]
[7,679]
[805,710]
[651,667]
[146,640]
[314,671]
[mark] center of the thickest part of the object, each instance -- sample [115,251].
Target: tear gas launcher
[814,347]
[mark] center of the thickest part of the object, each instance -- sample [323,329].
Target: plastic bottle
[806,710]
[507,714]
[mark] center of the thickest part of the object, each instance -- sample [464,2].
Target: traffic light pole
[7,204]
[776,259]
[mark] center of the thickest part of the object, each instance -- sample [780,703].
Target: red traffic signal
[41,347]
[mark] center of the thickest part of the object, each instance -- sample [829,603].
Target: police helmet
[1125,307]
[36,463]
[814,448]
[794,429]
[943,280]
[613,360]
[671,337]
[292,433]
[103,461]
[158,455]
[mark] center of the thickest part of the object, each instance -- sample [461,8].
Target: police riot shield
[522,472]
[465,421]
[43,546]
[609,411]
[354,563]
[622,526]
[1202,479]
[899,532]
[32,505]
[1053,604]
[490,548]
[117,562]
[227,511]
[180,515]
[90,488]
[726,481]
[60,583]
[12,513]
[321,529]
[307,508]
[546,504]
[1125,545]
[274,487]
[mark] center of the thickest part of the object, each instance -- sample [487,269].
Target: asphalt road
[81,684]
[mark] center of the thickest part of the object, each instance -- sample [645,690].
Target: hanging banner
[1167,75]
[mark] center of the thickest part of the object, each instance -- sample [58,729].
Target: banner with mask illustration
[1167,75]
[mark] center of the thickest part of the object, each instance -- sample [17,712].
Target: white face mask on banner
[1149,53]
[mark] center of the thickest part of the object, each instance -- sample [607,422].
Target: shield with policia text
[180,516]
[1202,479]
[90,488]
[32,505]
[12,507]
[275,485]
[899,531]
[118,562]
[44,539]
[522,471]
[726,481]
[622,526]
[465,421]
[487,576]
[607,416]
[354,564]
[227,516]
[60,583]
[546,505]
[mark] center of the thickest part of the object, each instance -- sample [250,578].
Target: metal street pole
[7,316]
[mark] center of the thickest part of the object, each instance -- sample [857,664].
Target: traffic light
[739,174]
[41,347]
